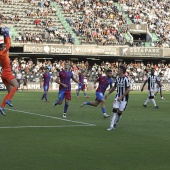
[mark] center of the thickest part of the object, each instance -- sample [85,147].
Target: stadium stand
[154,13]
[34,21]
[101,22]
[95,22]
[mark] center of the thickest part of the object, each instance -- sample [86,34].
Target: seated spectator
[37,22]
[46,4]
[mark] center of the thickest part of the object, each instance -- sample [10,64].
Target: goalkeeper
[7,77]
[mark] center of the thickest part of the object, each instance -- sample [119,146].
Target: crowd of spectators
[44,21]
[95,21]
[155,13]
[51,32]
[137,71]
[100,22]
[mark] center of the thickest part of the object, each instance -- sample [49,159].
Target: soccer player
[46,77]
[104,82]
[82,85]
[64,80]
[158,88]
[7,77]
[120,102]
[151,80]
[24,82]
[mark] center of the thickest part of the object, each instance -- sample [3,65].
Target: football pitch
[35,136]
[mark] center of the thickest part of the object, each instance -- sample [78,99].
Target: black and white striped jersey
[151,79]
[122,83]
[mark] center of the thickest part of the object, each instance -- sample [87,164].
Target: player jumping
[7,77]
[104,82]
[64,80]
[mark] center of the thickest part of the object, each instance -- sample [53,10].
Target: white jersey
[160,80]
[122,83]
[152,79]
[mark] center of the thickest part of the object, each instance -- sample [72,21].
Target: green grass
[140,142]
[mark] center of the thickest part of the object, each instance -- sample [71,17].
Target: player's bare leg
[12,88]
[77,92]
[58,102]
[104,109]
[11,91]
[85,95]
[161,95]
[95,104]
[4,100]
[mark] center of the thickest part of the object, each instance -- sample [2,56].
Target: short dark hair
[108,71]
[123,69]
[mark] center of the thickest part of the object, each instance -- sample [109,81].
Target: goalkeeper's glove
[5,31]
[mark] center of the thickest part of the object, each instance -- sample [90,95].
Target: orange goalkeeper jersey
[4,56]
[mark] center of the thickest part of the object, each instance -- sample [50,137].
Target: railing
[64,22]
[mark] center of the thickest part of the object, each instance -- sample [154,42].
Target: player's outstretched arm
[58,82]
[143,85]
[110,91]
[7,39]
[75,80]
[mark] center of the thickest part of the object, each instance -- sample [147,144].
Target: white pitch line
[36,114]
[22,127]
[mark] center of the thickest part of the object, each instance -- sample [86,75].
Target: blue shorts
[46,88]
[99,96]
[81,87]
[64,94]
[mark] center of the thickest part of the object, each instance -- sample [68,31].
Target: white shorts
[151,93]
[158,89]
[121,105]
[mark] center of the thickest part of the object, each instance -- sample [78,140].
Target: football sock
[56,103]
[12,92]
[65,107]
[77,92]
[88,103]
[104,110]
[118,117]
[113,120]
[85,94]
[147,100]
[3,103]
[43,96]
[153,101]
[46,96]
